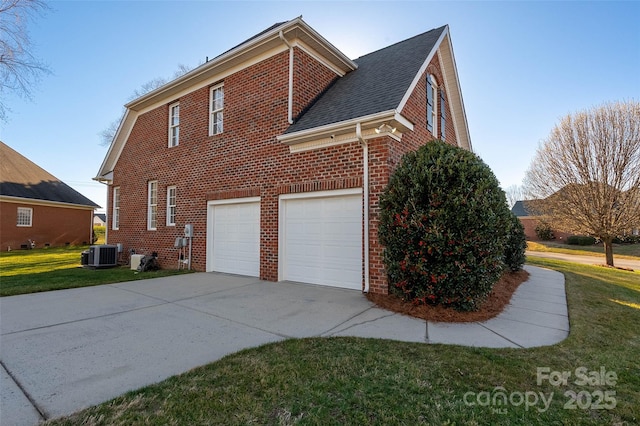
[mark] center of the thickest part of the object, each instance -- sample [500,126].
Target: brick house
[277,152]
[35,206]
[530,221]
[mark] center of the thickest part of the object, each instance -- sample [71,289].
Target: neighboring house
[530,220]
[277,152]
[36,207]
[99,219]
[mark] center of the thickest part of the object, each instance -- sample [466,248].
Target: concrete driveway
[65,350]
[62,351]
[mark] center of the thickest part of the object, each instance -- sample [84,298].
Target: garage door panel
[323,240]
[236,238]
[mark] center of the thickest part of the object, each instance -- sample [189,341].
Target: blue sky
[522,65]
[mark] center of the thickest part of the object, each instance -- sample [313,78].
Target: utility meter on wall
[188,231]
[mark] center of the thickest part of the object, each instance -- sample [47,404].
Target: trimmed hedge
[581,240]
[515,246]
[444,223]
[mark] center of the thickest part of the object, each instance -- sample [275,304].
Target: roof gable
[379,84]
[22,178]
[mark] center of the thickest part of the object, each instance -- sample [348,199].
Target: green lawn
[628,251]
[336,381]
[30,271]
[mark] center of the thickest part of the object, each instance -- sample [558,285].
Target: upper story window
[25,216]
[216,110]
[171,206]
[174,124]
[152,206]
[115,217]
[443,115]
[432,105]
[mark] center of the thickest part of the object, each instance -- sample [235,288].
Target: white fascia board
[368,121]
[423,68]
[298,29]
[47,203]
[117,145]
[460,123]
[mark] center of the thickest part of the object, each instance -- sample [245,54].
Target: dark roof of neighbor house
[378,84]
[22,178]
[101,216]
[522,209]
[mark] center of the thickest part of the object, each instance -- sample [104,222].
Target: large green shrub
[515,246]
[544,231]
[444,223]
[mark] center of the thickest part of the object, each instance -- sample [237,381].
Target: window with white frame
[171,206]
[174,124]
[115,216]
[152,206]
[25,216]
[432,105]
[216,110]
[443,115]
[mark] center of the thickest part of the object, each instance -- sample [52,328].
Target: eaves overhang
[38,202]
[390,123]
[297,32]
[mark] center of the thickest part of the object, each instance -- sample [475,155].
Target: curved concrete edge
[15,407]
[537,315]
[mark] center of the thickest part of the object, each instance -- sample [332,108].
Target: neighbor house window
[25,216]
[443,115]
[115,217]
[432,105]
[152,206]
[171,206]
[216,109]
[174,124]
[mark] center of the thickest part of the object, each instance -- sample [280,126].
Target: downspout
[365,184]
[290,102]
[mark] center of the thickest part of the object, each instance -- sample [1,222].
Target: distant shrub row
[581,240]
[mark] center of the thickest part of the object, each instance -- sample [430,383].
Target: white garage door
[321,239]
[233,237]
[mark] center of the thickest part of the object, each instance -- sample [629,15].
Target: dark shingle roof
[379,83]
[523,208]
[20,177]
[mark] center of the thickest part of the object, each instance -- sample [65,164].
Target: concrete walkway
[63,351]
[588,260]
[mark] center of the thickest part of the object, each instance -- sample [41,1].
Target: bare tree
[586,175]
[514,193]
[107,135]
[19,69]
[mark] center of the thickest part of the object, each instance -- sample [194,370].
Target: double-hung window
[216,110]
[171,206]
[25,216]
[432,105]
[443,115]
[152,206]
[115,217]
[174,124]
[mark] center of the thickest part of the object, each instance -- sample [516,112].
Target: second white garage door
[233,237]
[321,238]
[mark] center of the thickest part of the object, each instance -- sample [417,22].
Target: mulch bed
[497,300]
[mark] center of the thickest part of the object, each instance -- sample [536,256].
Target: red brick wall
[55,226]
[306,89]
[247,160]
[530,224]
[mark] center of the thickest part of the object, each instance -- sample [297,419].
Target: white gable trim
[422,69]
[452,85]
